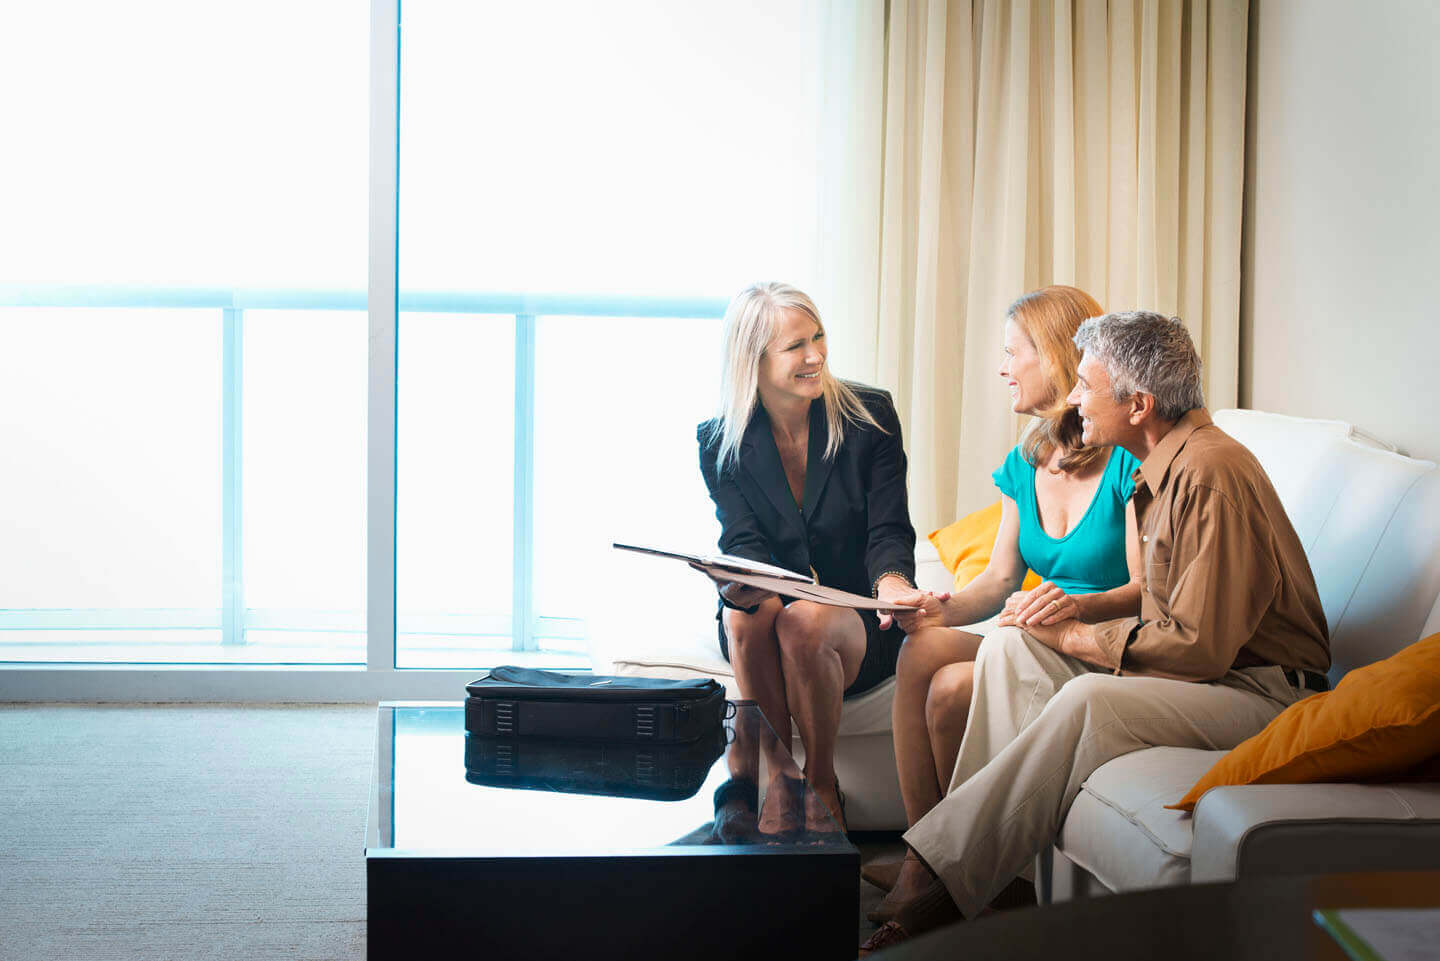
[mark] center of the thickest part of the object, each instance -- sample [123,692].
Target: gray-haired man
[1230,630]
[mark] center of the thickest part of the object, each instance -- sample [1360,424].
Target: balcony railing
[231,615]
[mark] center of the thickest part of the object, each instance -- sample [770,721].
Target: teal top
[1091,558]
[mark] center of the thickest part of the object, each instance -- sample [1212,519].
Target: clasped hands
[1041,606]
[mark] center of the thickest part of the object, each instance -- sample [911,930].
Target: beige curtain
[992,147]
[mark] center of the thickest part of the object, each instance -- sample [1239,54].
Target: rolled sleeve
[1112,637]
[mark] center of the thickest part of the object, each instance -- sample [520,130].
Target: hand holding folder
[739,570]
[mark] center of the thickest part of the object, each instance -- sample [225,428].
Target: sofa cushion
[1432,623]
[1266,829]
[930,573]
[1369,520]
[1383,719]
[867,713]
[1118,828]
[964,546]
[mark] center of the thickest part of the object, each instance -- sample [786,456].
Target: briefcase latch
[645,721]
[504,717]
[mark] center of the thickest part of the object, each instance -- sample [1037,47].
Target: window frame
[378,678]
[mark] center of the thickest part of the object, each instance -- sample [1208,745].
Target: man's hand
[1045,604]
[1072,637]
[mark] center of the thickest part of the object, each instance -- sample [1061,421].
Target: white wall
[1341,269]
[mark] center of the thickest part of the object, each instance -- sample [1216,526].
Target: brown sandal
[889,935]
[882,874]
[885,874]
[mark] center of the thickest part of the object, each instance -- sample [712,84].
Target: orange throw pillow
[965,546]
[1382,720]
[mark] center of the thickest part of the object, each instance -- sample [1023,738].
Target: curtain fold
[991,147]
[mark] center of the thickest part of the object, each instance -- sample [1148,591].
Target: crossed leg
[1041,723]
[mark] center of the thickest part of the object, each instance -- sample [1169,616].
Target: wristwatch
[736,607]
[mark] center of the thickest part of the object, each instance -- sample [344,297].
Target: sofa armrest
[1268,829]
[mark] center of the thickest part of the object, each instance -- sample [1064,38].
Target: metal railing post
[383,305]
[522,605]
[232,384]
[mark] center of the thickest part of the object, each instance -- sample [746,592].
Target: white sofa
[1370,522]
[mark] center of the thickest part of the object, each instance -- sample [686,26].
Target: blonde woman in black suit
[807,472]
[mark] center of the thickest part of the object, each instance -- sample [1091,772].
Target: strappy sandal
[890,934]
[838,817]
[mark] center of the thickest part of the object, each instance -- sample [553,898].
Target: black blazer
[854,524]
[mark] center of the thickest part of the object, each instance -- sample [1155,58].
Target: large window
[621,169]
[182,417]
[188,369]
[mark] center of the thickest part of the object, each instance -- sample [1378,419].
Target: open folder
[741,570]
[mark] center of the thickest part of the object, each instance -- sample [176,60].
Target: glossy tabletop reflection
[438,793]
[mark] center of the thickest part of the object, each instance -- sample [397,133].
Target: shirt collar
[1154,467]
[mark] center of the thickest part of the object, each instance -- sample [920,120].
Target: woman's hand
[931,611]
[740,595]
[1046,604]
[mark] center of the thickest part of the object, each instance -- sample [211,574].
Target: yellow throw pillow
[965,546]
[1381,720]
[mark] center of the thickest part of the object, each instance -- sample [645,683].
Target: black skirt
[882,648]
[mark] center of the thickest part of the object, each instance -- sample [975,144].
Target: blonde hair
[1050,317]
[751,321]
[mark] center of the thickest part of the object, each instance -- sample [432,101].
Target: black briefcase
[657,772]
[517,702]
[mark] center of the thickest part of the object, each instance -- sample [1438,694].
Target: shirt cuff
[1112,637]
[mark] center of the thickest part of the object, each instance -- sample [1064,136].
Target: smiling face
[1104,420]
[791,365]
[1030,390]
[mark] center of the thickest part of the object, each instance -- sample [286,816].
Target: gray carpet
[186,832]
[192,832]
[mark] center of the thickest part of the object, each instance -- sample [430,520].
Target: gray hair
[1146,352]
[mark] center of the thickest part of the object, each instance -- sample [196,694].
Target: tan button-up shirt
[1226,581]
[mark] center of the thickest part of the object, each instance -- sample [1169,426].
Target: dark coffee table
[460,869]
[1256,919]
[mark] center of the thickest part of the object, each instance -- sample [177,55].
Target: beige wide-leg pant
[1040,722]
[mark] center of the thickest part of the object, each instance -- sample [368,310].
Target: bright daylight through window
[183,327]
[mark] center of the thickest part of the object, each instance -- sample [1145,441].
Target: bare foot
[734,823]
[822,808]
[914,878]
[782,812]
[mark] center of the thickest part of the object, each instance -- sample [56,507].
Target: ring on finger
[1054,604]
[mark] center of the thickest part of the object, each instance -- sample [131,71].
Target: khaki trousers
[1040,722]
